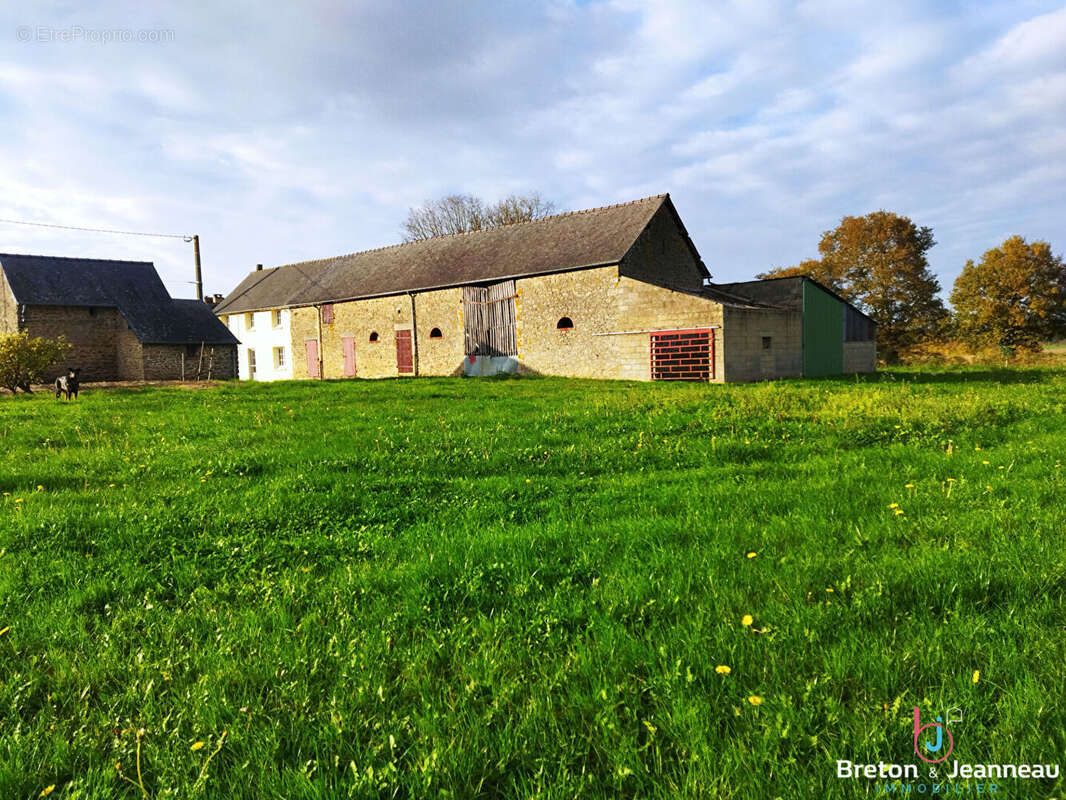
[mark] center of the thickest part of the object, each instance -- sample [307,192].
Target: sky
[281,133]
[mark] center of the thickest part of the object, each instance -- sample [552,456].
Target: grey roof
[133,287]
[595,237]
[783,292]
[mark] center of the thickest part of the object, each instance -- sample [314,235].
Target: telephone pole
[199,277]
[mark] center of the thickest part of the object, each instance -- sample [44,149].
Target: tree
[878,263]
[1015,297]
[24,360]
[462,213]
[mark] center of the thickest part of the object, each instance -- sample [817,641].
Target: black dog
[68,384]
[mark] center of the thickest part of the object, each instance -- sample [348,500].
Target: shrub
[24,360]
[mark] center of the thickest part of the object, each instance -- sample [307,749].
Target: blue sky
[287,133]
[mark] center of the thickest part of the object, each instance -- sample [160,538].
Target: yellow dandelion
[18,499]
[755,700]
[722,669]
[528,480]
[976,675]
[47,790]
[893,505]
[752,554]
[985,463]
[111,486]
[196,746]
[908,486]
[829,589]
[4,630]
[899,512]
[40,488]
[746,620]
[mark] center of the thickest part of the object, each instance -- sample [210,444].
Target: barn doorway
[682,355]
[490,329]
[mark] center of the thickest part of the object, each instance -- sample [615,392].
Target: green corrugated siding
[823,332]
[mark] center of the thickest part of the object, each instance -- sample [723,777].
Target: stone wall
[662,255]
[9,316]
[163,362]
[860,356]
[742,350]
[129,354]
[91,332]
[442,310]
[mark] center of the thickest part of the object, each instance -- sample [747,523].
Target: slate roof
[596,237]
[133,287]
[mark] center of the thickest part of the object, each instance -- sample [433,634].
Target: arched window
[436,334]
[374,336]
[565,324]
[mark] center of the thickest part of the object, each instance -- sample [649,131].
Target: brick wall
[163,362]
[741,346]
[860,356]
[92,332]
[9,318]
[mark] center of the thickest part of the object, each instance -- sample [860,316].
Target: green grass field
[529,587]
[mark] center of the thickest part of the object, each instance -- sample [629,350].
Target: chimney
[258,267]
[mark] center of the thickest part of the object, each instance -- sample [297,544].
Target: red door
[404,355]
[348,344]
[312,357]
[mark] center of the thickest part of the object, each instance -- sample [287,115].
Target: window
[565,324]
[279,357]
[374,336]
[275,318]
[327,314]
[92,311]
[249,321]
[767,342]
[251,364]
[436,334]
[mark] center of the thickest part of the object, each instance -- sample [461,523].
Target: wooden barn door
[348,346]
[311,345]
[405,362]
[489,320]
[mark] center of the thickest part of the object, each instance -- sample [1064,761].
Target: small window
[92,311]
[279,357]
[327,314]
[767,342]
[249,321]
[565,324]
[374,336]
[436,334]
[275,318]
[251,363]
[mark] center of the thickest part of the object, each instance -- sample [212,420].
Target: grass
[525,588]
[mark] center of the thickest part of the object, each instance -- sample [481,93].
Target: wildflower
[746,620]
[755,700]
[899,512]
[976,675]
[908,486]
[752,554]
[893,505]
[722,669]
[4,630]
[829,589]
[985,463]
[196,746]
[18,499]
[111,486]
[47,790]
[40,488]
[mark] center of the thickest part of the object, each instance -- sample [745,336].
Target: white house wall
[263,337]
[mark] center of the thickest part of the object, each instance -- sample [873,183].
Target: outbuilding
[613,292]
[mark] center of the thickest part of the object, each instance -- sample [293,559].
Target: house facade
[265,353]
[118,318]
[618,292]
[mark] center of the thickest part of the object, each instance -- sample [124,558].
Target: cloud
[308,130]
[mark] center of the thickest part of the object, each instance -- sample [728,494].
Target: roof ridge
[77,258]
[468,233]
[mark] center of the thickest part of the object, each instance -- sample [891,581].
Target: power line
[98,230]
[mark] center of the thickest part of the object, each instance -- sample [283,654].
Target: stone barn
[615,292]
[118,317]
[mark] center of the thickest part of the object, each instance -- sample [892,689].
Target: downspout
[318,310]
[414,334]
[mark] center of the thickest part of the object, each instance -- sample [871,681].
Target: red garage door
[682,355]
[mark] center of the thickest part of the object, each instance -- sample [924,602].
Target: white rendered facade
[265,351]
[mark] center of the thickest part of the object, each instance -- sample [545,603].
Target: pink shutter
[348,343]
[312,357]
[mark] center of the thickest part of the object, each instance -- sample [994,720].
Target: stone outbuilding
[118,317]
[614,292]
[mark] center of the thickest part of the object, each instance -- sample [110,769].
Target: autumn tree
[1014,297]
[878,263]
[24,360]
[462,213]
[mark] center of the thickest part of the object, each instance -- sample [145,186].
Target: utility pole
[199,277]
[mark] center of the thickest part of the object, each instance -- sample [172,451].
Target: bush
[24,360]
